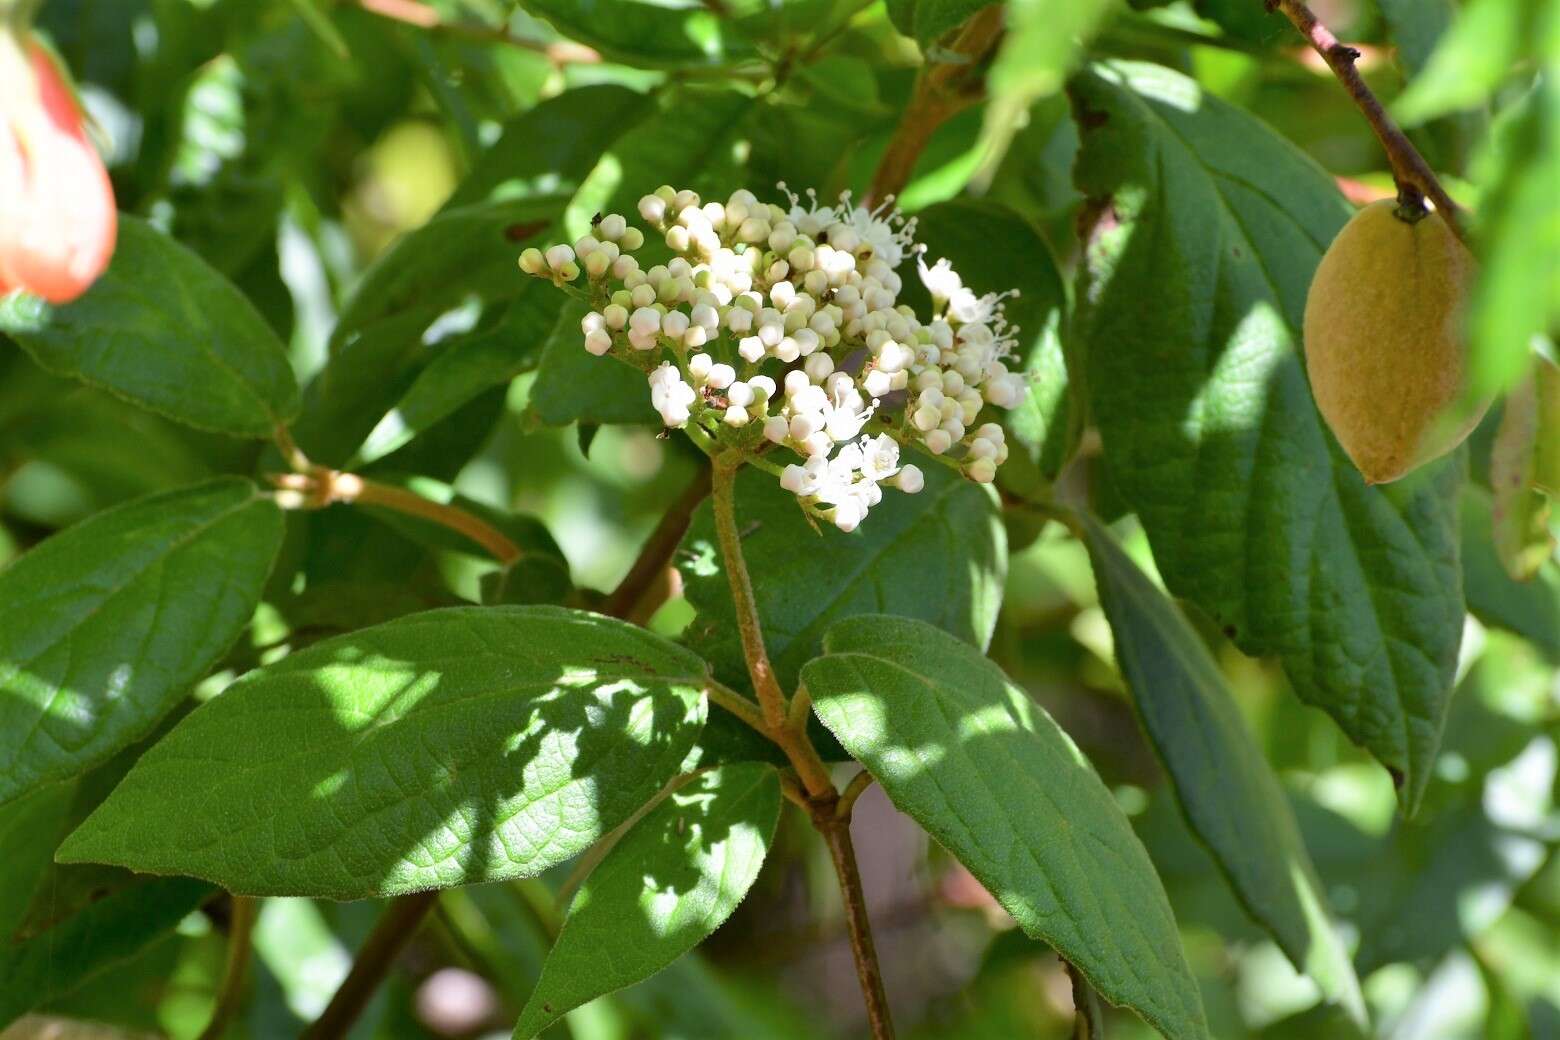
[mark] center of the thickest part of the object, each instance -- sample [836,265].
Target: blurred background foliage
[330,157]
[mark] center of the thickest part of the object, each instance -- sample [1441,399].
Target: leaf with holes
[1207,227]
[443,748]
[972,759]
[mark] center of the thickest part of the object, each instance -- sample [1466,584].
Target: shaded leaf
[1530,609]
[926,20]
[664,888]
[1207,229]
[110,932]
[165,331]
[1524,447]
[1229,793]
[106,625]
[940,556]
[444,748]
[987,772]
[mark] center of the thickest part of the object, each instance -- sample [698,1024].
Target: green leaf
[466,368]
[110,932]
[574,386]
[925,21]
[1227,790]
[105,626]
[1416,26]
[940,556]
[549,149]
[1469,61]
[1208,228]
[1528,423]
[162,329]
[1041,45]
[664,888]
[1530,609]
[1517,299]
[638,32]
[995,249]
[445,748]
[986,771]
[30,828]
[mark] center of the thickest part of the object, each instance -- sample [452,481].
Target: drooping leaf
[990,775]
[106,625]
[444,748]
[1207,229]
[1522,450]
[664,888]
[1226,789]
[162,329]
[996,250]
[940,556]
[110,932]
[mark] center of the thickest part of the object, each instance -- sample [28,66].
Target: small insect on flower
[779,327]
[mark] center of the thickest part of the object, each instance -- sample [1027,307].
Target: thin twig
[422,16]
[394,930]
[836,834]
[1088,1016]
[943,89]
[657,552]
[853,790]
[1415,179]
[314,487]
[241,929]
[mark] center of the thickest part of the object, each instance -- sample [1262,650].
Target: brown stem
[315,487]
[943,89]
[390,935]
[836,834]
[657,551]
[230,994]
[1415,180]
[853,790]
[1088,1016]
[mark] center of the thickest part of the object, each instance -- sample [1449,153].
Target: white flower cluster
[781,325]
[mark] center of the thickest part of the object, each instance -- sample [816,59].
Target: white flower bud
[678,239]
[981,448]
[741,395]
[615,315]
[795,382]
[763,388]
[937,441]
[624,266]
[751,349]
[721,376]
[787,350]
[910,479]
[878,383]
[612,226]
[736,415]
[705,316]
[803,426]
[983,471]
[817,444]
[699,367]
[597,264]
[653,209]
[532,261]
[818,367]
[559,256]
[926,418]
[674,324]
[776,429]
[643,295]
[598,341]
[632,239]
[645,320]
[585,246]
[592,322]
[793,478]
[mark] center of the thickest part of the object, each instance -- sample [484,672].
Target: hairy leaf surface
[988,773]
[443,748]
[1208,229]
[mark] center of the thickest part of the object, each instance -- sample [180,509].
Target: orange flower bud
[57,216]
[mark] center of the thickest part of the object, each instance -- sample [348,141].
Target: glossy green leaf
[1207,229]
[664,888]
[996,250]
[1530,609]
[940,556]
[1226,789]
[162,329]
[986,771]
[110,932]
[444,748]
[106,625]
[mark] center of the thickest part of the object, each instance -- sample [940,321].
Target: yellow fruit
[1384,342]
